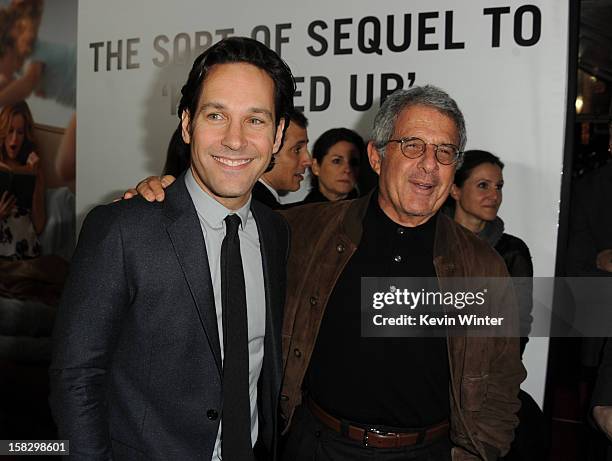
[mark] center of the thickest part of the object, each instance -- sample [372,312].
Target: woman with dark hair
[336,158]
[20,226]
[477,191]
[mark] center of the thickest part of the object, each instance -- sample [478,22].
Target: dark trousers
[531,435]
[309,440]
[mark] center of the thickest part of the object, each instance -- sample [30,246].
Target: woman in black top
[337,155]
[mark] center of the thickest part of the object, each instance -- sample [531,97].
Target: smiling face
[412,190]
[233,133]
[15,136]
[338,170]
[291,161]
[480,196]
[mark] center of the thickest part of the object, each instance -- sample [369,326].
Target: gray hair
[429,96]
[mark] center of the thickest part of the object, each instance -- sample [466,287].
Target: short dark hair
[334,136]
[298,118]
[472,159]
[236,50]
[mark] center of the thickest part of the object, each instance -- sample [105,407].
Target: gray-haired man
[353,397]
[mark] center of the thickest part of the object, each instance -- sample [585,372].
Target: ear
[374,157]
[315,167]
[278,138]
[455,192]
[185,127]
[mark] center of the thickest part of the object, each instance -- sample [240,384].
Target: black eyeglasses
[446,154]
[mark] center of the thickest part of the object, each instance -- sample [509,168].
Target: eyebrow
[439,144]
[254,110]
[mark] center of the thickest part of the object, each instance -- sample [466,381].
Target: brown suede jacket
[486,372]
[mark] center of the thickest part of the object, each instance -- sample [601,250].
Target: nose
[428,161]
[306,159]
[233,137]
[12,137]
[494,194]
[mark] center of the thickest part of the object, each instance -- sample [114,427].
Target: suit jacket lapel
[273,273]
[186,235]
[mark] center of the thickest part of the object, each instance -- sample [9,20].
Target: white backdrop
[506,67]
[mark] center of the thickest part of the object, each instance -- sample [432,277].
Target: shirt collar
[271,189]
[208,209]
[376,217]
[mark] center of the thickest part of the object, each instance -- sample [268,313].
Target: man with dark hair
[289,164]
[350,397]
[183,361]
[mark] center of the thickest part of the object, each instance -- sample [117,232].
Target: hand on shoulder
[151,188]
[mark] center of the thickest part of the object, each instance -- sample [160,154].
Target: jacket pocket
[474,392]
[121,452]
[458,454]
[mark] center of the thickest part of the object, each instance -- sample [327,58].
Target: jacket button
[397,259]
[297,352]
[340,248]
[212,414]
[284,397]
[313,301]
[400,231]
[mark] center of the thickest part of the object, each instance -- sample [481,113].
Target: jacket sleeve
[87,325]
[497,419]
[488,372]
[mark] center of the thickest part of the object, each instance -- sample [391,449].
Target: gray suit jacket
[136,368]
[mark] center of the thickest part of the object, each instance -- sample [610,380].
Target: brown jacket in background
[486,372]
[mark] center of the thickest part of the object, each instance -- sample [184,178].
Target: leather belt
[372,437]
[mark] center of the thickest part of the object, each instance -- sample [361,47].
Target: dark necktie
[236,418]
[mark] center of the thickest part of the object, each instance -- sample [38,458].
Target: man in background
[289,164]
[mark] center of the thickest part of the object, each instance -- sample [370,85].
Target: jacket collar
[492,231]
[187,239]
[352,227]
[352,224]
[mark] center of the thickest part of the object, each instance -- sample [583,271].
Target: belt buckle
[373,431]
